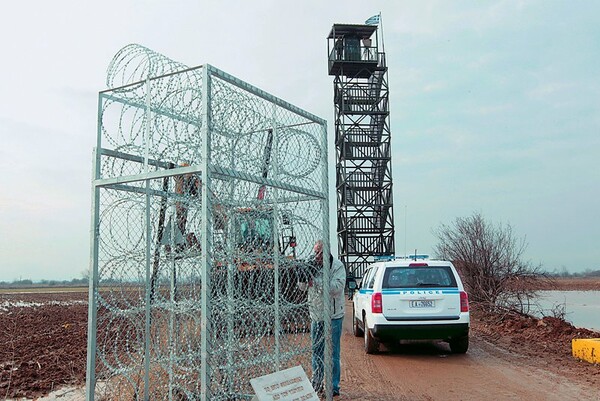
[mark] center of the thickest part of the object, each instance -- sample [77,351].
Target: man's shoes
[321,391]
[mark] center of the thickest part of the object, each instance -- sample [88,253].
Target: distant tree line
[563,272]
[84,281]
[44,283]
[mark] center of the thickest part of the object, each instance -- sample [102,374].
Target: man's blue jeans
[318,351]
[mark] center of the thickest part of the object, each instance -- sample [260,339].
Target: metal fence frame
[145,183]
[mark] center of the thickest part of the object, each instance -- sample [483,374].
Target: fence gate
[208,196]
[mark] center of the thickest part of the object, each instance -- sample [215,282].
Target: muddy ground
[43,343]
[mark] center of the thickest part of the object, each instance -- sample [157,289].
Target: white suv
[411,300]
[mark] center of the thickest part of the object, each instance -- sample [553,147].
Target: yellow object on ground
[587,349]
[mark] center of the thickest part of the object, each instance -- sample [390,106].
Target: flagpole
[381,23]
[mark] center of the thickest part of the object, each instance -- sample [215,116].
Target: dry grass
[573,284]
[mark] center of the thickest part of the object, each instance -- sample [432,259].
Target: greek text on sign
[286,385]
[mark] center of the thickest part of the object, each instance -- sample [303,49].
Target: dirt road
[431,372]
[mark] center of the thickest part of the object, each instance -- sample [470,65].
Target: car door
[361,295]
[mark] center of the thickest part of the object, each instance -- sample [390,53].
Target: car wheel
[371,344]
[356,330]
[459,345]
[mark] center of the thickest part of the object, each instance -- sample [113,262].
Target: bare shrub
[489,260]
[558,310]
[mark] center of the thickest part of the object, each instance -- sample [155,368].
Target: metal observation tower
[365,221]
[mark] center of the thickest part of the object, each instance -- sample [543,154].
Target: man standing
[316,296]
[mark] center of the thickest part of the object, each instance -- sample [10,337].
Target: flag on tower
[374,20]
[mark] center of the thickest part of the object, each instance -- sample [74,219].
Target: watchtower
[365,222]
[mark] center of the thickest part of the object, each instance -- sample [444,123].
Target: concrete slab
[587,349]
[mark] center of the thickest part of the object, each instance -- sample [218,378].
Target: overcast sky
[495,108]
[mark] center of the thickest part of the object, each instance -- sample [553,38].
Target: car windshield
[418,277]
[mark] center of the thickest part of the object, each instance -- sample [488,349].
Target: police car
[411,299]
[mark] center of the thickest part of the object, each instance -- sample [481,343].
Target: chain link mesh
[265,205]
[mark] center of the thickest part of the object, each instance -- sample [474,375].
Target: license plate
[422,304]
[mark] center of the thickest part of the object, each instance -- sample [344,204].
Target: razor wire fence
[209,195]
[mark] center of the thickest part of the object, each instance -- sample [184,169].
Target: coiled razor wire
[268,206]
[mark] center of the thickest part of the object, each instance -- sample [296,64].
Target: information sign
[286,385]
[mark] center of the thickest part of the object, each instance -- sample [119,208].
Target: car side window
[366,278]
[372,278]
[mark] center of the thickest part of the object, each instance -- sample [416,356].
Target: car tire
[356,330]
[459,345]
[371,344]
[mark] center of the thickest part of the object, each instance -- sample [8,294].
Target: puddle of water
[6,306]
[582,307]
